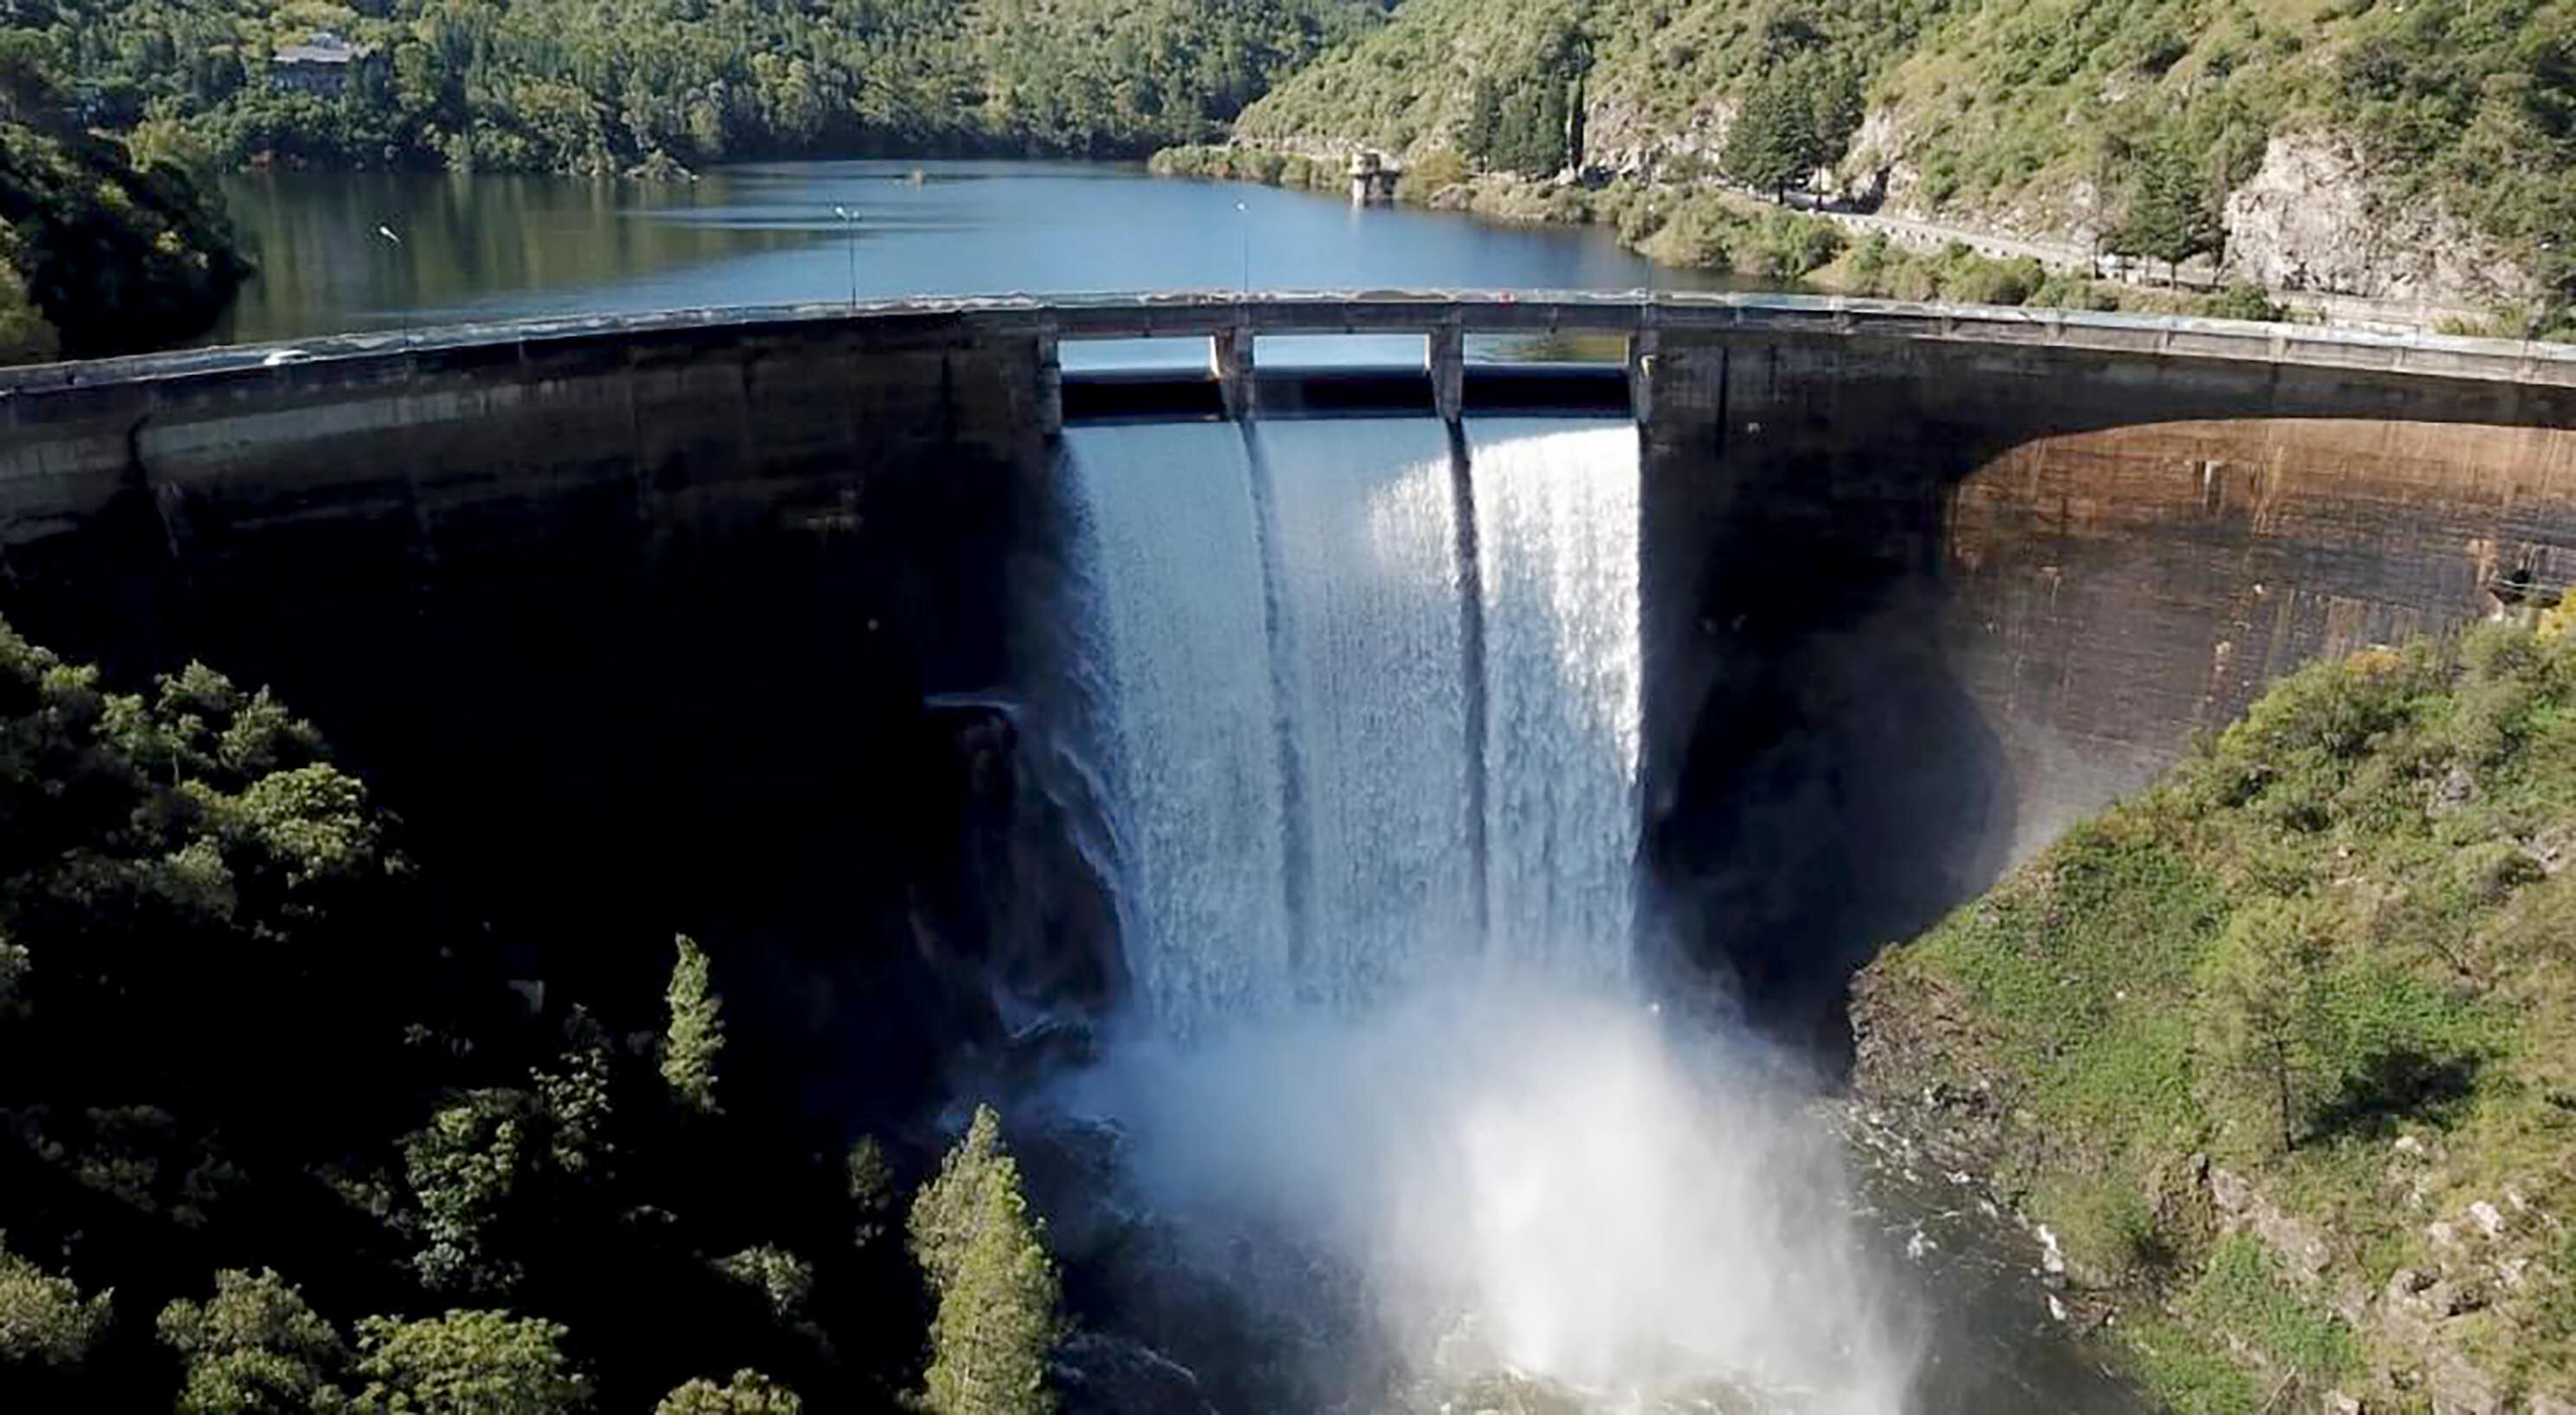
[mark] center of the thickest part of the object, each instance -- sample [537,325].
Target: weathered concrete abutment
[1921,603]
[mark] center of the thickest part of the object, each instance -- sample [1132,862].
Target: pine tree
[1768,145]
[2169,217]
[944,1212]
[696,1037]
[1833,111]
[1550,127]
[871,1188]
[1484,130]
[985,1259]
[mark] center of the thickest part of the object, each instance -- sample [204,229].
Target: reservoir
[471,247]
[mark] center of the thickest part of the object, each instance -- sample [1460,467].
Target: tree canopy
[100,253]
[568,86]
[236,1018]
[985,1260]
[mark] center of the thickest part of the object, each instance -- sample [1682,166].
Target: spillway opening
[1161,355]
[1569,348]
[1388,1115]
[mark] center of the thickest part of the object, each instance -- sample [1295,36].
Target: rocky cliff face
[2313,217]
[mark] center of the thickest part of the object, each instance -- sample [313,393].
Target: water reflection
[489,246]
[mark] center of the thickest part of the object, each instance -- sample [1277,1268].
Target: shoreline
[1715,230]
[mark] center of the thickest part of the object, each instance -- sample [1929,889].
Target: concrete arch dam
[1917,585]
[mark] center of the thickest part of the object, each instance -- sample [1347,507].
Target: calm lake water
[479,247]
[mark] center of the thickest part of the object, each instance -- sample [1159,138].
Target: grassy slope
[2401,813]
[2016,102]
[2014,107]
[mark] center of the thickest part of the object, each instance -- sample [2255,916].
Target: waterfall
[1556,536]
[1171,597]
[1368,727]
[1374,698]
[1297,729]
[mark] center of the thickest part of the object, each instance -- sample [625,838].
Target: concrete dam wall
[1920,585]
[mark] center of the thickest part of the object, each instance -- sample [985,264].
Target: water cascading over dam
[1367,718]
[1353,749]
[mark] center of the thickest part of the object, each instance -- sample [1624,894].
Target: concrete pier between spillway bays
[1920,583]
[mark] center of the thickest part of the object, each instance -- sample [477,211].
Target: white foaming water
[1171,575]
[1530,1180]
[1367,577]
[1556,537]
[1483,1127]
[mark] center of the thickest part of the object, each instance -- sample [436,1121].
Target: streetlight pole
[402,299]
[850,230]
[1244,290]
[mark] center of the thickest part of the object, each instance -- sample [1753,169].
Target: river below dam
[460,246]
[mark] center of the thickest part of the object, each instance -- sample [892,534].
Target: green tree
[782,1280]
[463,1166]
[749,1393]
[696,1037]
[1481,138]
[44,1321]
[114,255]
[985,1260]
[466,1363]
[2169,215]
[1769,145]
[489,1163]
[2266,1013]
[254,1348]
[1833,109]
[871,1188]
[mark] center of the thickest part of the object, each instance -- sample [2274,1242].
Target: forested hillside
[608,85]
[279,1135]
[99,254]
[2392,147]
[2280,1050]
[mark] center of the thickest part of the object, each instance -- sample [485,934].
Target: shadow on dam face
[1913,610]
[703,626]
[1837,788]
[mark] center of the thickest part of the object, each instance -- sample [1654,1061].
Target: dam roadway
[1960,573]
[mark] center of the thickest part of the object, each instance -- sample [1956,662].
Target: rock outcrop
[2313,217]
